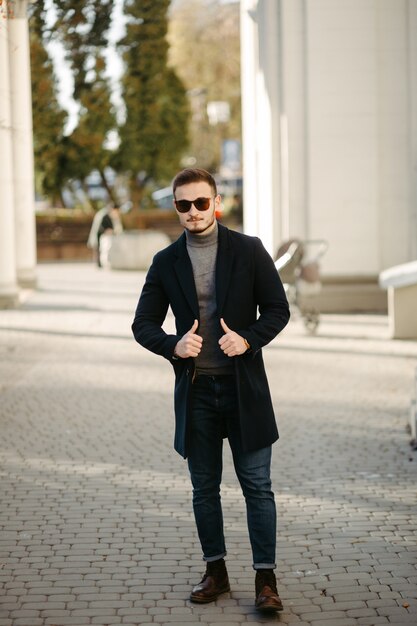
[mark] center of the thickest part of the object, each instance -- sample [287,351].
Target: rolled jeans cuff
[257,566]
[210,559]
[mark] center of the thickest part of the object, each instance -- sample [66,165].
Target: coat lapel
[184,271]
[225,258]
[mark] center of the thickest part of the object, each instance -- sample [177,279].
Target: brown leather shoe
[215,582]
[267,598]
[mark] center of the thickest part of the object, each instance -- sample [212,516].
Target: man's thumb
[194,327]
[224,326]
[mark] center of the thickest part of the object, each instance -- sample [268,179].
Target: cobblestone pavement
[96,519]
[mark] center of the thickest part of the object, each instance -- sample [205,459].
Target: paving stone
[43,605]
[361,613]
[164,623]
[65,621]
[98,526]
[326,615]
[169,619]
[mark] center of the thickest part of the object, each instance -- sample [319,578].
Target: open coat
[250,298]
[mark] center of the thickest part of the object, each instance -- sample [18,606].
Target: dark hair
[193,175]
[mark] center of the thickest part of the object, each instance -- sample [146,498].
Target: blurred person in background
[106,221]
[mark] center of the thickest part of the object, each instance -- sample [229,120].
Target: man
[106,221]
[215,280]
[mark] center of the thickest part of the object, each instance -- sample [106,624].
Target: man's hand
[231,343]
[190,344]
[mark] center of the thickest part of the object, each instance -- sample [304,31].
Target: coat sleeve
[269,293]
[150,315]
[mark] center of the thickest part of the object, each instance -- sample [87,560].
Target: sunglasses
[201,204]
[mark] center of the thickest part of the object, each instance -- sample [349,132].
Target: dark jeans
[215,416]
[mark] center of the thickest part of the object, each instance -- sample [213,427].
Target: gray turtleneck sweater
[202,250]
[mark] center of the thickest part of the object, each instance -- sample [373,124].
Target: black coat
[246,280]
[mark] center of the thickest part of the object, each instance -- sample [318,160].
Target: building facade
[17,213]
[329,92]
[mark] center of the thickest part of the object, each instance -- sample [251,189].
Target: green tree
[82,26]
[205,52]
[48,117]
[154,134]
[96,120]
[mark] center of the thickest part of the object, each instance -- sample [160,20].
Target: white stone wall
[396,169]
[261,136]
[294,105]
[412,83]
[344,126]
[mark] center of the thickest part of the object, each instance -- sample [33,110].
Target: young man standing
[228,302]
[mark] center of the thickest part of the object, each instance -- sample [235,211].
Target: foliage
[205,51]
[82,26]
[48,117]
[154,134]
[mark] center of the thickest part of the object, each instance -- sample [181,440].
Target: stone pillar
[249,62]
[411,17]
[262,167]
[23,167]
[294,88]
[8,284]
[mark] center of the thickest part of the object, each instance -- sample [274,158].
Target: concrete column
[294,89]
[249,64]
[395,176]
[271,167]
[261,120]
[411,17]
[8,284]
[23,167]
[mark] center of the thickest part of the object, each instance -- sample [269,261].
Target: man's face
[194,220]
